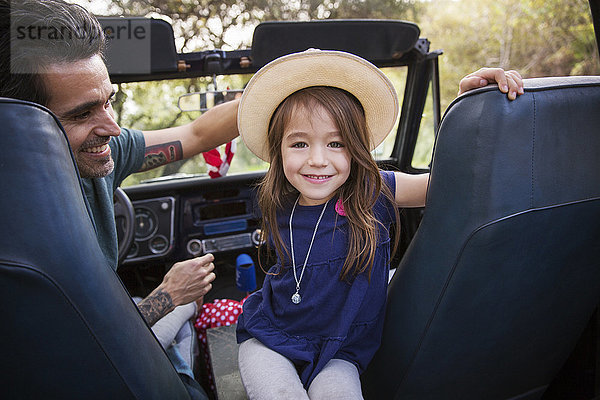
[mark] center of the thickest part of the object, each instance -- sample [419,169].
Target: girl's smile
[317,178]
[315,159]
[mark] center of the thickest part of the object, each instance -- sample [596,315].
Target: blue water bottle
[245,275]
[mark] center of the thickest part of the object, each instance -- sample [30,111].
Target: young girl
[327,211]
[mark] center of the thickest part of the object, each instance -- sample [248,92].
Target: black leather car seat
[504,271]
[69,330]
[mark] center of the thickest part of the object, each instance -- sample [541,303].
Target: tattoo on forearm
[155,306]
[162,154]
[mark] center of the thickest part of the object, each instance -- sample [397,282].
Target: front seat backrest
[69,330]
[504,271]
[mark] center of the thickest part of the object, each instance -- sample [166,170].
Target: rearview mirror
[202,101]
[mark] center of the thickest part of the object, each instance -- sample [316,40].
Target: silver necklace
[296,296]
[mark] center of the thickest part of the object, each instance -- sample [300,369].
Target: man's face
[80,94]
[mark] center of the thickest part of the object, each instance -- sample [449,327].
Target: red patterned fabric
[222,312]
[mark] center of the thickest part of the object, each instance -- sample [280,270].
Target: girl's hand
[509,82]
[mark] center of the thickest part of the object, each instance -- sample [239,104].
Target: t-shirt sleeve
[128,151]
[384,208]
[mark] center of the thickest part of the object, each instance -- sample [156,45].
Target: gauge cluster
[179,220]
[154,229]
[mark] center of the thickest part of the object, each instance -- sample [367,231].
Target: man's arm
[188,280]
[185,282]
[213,128]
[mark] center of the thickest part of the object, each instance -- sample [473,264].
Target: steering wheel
[125,221]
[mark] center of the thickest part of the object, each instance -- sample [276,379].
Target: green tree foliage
[535,37]
[209,24]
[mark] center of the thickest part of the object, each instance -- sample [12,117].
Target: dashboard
[182,219]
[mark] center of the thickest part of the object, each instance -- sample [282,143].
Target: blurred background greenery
[535,37]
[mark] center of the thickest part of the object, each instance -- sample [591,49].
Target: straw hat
[290,73]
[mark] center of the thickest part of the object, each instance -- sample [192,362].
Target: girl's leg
[267,375]
[339,380]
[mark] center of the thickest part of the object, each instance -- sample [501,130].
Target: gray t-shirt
[127,151]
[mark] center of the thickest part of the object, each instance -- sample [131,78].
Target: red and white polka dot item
[222,312]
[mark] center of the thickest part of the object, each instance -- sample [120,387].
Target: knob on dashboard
[194,247]
[257,237]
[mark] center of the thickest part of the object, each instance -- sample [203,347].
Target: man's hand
[509,82]
[185,282]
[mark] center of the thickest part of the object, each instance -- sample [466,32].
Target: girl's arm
[411,190]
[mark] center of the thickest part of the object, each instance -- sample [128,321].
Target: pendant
[296,298]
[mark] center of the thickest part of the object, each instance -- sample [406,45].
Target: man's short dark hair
[39,34]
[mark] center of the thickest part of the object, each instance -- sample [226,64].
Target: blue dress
[335,319]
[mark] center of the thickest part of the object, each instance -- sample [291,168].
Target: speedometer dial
[145,223]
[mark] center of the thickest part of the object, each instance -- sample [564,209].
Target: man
[68,75]
[52,54]
[70,78]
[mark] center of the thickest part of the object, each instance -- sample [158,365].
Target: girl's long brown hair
[359,193]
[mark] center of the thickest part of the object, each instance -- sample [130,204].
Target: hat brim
[281,77]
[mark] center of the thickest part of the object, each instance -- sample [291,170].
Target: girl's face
[315,159]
